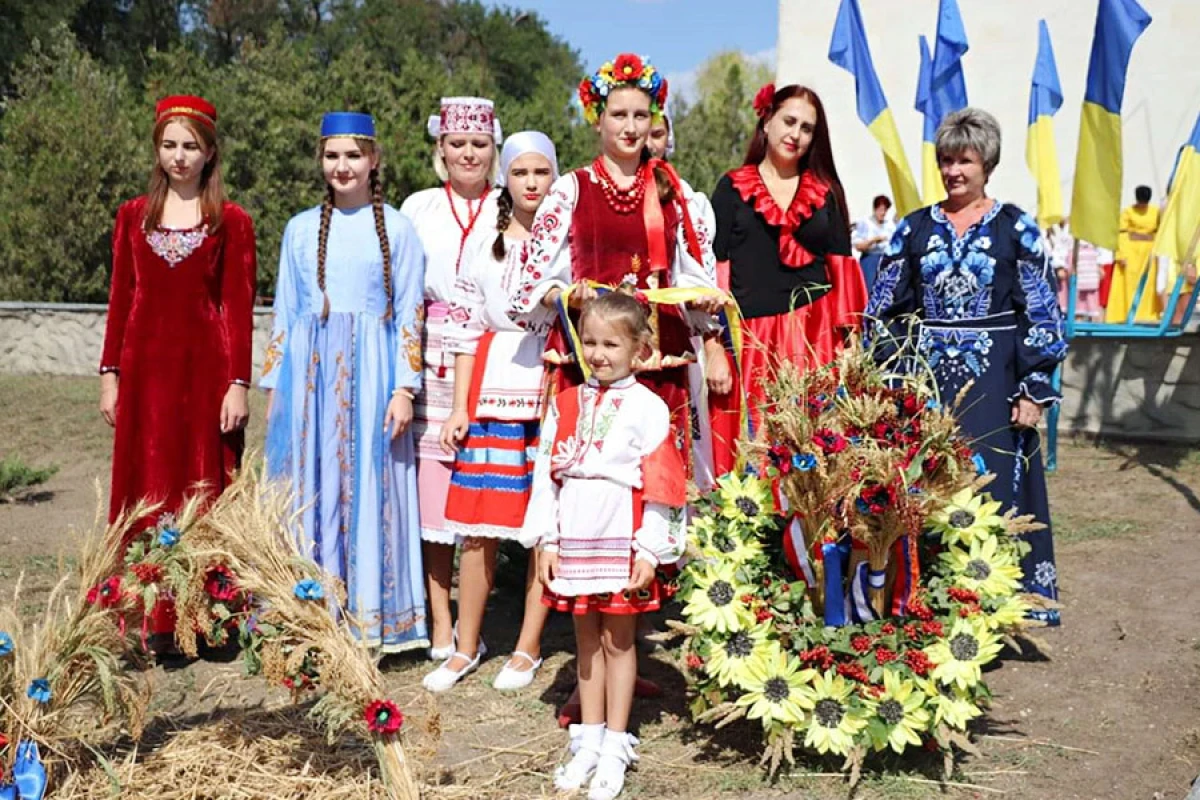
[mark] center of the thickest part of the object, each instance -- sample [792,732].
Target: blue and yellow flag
[1096,197]
[848,49]
[1045,98]
[946,82]
[1179,226]
[932,190]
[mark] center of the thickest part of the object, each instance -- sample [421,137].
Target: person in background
[1088,270]
[871,235]
[1139,223]
[175,370]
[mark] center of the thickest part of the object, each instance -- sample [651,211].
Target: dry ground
[1112,711]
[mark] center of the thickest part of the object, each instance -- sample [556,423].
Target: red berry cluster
[884,655]
[819,656]
[861,643]
[854,671]
[918,662]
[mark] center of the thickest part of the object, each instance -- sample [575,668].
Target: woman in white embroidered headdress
[498,398]
[449,219]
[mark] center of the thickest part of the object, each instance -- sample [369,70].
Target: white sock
[591,736]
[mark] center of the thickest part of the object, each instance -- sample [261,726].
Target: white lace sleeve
[549,262]
[690,272]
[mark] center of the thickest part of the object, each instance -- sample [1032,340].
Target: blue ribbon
[835,598]
[8,792]
[28,773]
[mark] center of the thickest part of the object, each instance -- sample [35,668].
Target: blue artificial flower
[168,537]
[855,440]
[6,644]
[309,589]
[862,506]
[39,690]
[980,464]
[932,404]
[841,392]
[804,462]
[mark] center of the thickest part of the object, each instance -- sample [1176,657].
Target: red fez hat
[186,105]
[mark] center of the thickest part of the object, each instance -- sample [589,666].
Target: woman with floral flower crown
[452,220]
[783,228]
[625,219]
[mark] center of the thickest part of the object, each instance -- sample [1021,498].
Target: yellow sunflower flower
[835,719]
[960,655]
[1011,613]
[898,716]
[734,659]
[966,517]
[734,545]
[984,568]
[950,704]
[716,603]
[777,689]
[747,500]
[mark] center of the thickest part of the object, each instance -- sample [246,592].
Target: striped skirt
[492,478]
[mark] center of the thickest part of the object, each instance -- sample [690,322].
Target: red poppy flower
[910,405]
[764,100]
[106,594]
[383,717]
[781,458]
[627,67]
[220,583]
[662,93]
[829,441]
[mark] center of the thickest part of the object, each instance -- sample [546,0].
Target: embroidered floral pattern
[174,246]
[956,355]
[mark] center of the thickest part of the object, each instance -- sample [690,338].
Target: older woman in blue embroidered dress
[975,273]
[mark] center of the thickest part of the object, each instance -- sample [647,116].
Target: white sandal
[443,678]
[511,678]
[585,742]
[443,653]
[616,754]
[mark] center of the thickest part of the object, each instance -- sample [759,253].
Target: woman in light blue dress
[343,367]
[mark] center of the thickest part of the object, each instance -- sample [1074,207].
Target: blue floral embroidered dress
[987,319]
[356,488]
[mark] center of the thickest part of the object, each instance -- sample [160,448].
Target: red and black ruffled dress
[792,273]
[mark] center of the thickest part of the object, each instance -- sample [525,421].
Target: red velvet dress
[179,330]
[796,283]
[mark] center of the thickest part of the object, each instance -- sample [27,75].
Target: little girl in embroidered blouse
[609,490]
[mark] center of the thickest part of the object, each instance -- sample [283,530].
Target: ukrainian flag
[848,49]
[932,190]
[1045,98]
[1179,226]
[1096,197]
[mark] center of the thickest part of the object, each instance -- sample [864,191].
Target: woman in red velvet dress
[783,228]
[176,364]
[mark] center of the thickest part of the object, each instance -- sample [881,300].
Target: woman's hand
[399,414]
[108,397]
[718,373]
[235,409]
[1026,413]
[547,565]
[640,576]
[709,304]
[454,430]
[582,295]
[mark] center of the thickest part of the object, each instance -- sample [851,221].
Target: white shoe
[443,678]
[616,754]
[443,653]
[511,679]
[585,744]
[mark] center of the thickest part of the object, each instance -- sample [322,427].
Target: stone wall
[1134,388]
[64,339]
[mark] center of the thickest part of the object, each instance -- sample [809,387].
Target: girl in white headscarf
[493,426]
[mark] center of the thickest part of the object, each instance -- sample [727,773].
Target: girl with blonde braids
[342,369]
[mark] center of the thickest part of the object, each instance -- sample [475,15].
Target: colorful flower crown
[626,70]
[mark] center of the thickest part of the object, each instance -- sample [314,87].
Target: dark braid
[381,231]
[322,241]
[504,204]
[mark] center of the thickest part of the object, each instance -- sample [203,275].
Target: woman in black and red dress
[782,227]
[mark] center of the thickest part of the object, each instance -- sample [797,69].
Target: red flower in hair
[764,100]
[662,92]
[627,67]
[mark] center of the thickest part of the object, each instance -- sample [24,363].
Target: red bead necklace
[623,201]
[472,218]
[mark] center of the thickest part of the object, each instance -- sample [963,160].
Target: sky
[677,35]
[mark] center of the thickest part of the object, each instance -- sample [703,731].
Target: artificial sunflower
[966,517]
[717,603]
[734,659]
[835,719]
[950,704]
[735,545]
[747,501]
[778,689]
[1010,613]
[898,716]
[959,656]
[985,568]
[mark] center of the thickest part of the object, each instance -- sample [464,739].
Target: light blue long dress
[332,383]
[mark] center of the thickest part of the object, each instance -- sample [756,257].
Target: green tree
[22,22]
[72,147]
[712,134]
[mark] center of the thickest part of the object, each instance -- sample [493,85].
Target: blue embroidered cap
[347,123]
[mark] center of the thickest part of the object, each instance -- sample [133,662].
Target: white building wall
[1162,94]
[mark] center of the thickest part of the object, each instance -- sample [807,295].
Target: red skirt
[648,599]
